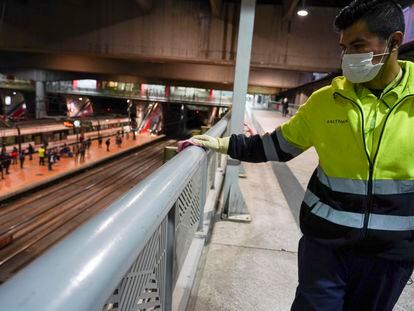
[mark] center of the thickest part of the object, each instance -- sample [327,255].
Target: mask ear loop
[385,53]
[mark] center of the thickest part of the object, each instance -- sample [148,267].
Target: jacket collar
[405,87]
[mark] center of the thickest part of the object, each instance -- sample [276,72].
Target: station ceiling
[84,38]
[146,4]
[343,3]
[320,3]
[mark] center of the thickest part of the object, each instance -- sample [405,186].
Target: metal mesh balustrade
[188,211]
[129,256]
[142,287]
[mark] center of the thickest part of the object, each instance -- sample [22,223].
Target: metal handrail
[82,271]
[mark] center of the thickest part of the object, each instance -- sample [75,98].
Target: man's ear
[396,40]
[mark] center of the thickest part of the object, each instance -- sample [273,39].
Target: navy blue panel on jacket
[258,148]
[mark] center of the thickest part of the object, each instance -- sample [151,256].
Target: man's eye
[358,46]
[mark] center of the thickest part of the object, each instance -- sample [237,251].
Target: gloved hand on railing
[182,144]
[217,144]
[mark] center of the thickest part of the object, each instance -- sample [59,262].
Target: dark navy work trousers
[336,280]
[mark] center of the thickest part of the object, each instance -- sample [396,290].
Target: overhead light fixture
[302,11]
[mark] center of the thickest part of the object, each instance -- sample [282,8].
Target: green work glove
[217,144]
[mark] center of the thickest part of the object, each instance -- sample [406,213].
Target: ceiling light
[303,12]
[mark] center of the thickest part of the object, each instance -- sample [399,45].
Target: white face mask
[358,68]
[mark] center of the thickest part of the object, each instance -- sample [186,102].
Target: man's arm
[256,148]
[283,144]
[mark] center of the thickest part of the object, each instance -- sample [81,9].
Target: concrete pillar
[184,119]
[235,207]
[241,76]
[40,100]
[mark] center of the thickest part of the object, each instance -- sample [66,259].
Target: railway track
[37,222]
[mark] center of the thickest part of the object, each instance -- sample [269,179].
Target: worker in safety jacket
[357,216]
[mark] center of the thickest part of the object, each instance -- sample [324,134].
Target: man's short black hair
[383,17]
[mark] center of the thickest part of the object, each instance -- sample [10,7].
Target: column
[235,208]
[40,100]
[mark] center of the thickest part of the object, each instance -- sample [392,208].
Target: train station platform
[33,175]
[253,266]
[152,249]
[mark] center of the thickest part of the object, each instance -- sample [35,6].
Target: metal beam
[289,7]
[216,7]
[145,5]
[71,67]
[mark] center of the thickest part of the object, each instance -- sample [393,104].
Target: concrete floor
[254,266]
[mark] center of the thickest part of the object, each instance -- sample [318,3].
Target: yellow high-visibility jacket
[361,196]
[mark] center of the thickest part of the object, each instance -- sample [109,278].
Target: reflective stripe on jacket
[361,195]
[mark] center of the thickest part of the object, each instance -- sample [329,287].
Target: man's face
[358,39]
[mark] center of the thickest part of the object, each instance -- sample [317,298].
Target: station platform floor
[32,175]
[253,266]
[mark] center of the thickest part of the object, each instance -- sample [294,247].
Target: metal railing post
[203,194]
[169,260]
[214,165]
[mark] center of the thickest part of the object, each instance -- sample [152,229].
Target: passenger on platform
[1,169]
[357,248]
[285,107]
[74,150]
[21,158]
[6,160]
[51,159]
[107,143]
[82,151]
[41,152]
[69,153]
[99,141]
[56,154]
[81,139]
[14,155]
[118,140]
[77,150]
[64,150]
[30,151]
[88,143]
